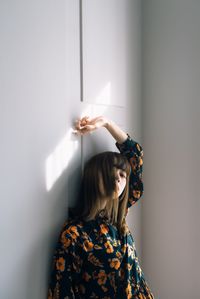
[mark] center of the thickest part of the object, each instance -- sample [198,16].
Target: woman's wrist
[118,134]
[107,123]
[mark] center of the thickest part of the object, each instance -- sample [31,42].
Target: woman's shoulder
[72,225]
[71,233]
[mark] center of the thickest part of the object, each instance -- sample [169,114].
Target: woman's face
[120,180]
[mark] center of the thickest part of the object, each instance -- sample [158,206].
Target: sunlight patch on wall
[104,96]
[59,159]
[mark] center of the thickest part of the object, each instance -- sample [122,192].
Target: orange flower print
[93,260]
[115,243]
[101,277]
[140,162]
[128,291]
[139,149]
[72,230]
[60,264]
[118,254]
[96,246]
[65,241]
[133,163]
[141,296]
[136,193]
[124,248]
[115,263]
[87,245]
[108,246]
[104,229]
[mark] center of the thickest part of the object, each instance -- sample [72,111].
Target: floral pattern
[92,260]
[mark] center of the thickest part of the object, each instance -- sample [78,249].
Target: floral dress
[92,260]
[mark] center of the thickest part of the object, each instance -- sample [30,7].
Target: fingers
[84,130]
[83,126]
[87,129]
[86,124]
[82,122]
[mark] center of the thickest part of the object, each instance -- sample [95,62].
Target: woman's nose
[117,178]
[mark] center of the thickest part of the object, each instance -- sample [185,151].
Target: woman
[95,255]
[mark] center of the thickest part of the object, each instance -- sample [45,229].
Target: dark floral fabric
[92,260]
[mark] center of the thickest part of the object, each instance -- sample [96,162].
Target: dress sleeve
[134,153]
[66,264]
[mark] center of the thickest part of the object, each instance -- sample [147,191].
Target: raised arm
[134,153]
[128,147]
[87,125]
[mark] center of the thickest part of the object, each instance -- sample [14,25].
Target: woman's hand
[87,125]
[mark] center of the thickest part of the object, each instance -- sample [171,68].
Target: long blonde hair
[99,172]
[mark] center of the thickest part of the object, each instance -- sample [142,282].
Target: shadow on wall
[59,159]
[39,255]
[36,281]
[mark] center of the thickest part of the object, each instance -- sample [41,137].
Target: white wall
[40,97]
[39,58]
[170,116]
